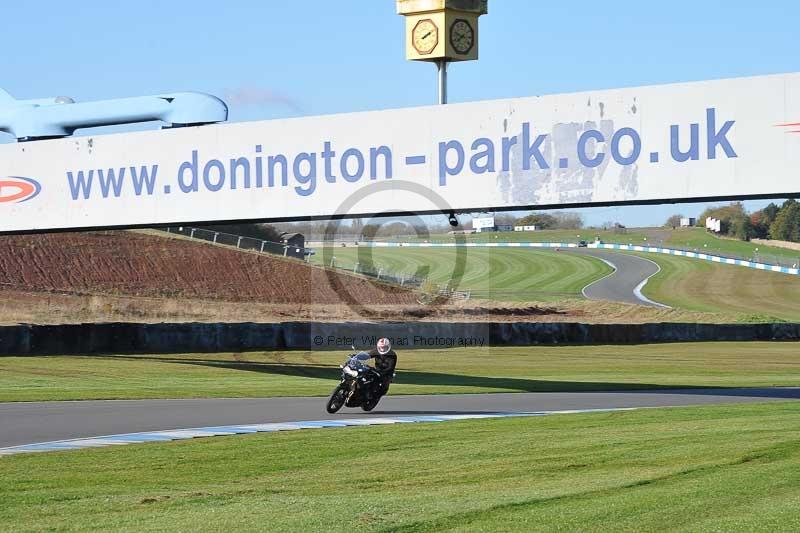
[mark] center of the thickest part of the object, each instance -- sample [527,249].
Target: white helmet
[384,346]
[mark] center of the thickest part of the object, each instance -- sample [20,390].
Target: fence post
[238,242]
[355,269]
[333,262]
[191,235]
[262,246]
[285,251]
[402,280]
[380,271]
[215,237]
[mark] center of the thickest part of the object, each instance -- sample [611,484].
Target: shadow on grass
[499,384]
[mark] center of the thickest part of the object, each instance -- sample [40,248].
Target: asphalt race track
[630,274]
[34,422]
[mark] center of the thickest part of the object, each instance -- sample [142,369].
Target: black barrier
[131,338]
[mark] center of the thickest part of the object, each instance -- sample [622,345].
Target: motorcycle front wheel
[336,401]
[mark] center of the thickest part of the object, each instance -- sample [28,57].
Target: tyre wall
[128,338]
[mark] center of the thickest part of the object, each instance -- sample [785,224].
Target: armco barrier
[605,246]
[129,338]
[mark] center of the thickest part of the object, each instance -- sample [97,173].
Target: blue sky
[281,59]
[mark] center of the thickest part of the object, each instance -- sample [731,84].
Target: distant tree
[370,231]
[388,228]
[760,226]
[673,222]
[542,220]
[787,224]
[734,220]
[612,225]
[741,228]
[770,213]
[568,221]
[505,219]
[257,231]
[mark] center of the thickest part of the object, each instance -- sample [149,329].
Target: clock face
[462,36]
[425,36]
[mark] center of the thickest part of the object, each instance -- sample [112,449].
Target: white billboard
[483,223]
[714,224]
[729,138]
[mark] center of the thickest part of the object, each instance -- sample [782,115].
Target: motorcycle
[360,385]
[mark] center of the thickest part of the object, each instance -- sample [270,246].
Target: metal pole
[441,66]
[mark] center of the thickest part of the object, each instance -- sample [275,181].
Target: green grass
[722,468]
[554,235]
[697,285]
[472,370]
[701,240]
[543,275]
[681,238]
[505,274]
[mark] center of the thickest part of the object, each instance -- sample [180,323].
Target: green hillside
[501,274]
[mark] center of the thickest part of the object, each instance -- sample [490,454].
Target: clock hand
[426,35]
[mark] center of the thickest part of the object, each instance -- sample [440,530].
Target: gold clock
[462,36]
[425,36]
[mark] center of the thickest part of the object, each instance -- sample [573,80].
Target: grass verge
[510,274]
[470,370]
[723,468]
[548,235]
[701,286]
[703,241]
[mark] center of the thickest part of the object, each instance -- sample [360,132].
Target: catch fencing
[377,273]
[237,241]
[403,279]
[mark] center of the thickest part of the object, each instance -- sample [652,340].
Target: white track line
[638,290]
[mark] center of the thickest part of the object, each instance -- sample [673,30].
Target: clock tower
[442,30]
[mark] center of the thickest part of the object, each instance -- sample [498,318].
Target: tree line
[399,226]
[775,222]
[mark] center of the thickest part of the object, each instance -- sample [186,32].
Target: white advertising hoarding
[483,223]
[728,138]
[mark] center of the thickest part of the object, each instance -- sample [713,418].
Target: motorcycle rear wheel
[336,401]
[369,405]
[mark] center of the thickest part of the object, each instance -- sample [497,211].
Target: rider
[385,362]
